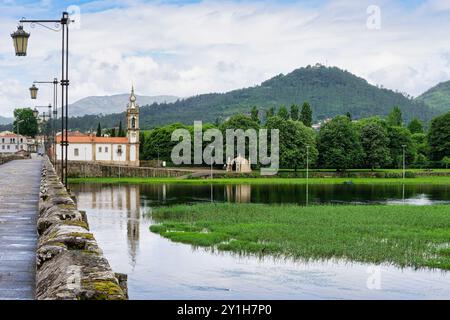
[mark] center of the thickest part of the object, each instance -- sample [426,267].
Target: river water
[120,216]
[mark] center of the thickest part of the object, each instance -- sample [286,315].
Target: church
[106,150]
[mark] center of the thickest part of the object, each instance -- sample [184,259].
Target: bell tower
[133,129]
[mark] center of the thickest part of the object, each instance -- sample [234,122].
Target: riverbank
[401,235]
[436,180]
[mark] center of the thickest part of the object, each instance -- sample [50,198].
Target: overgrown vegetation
[402,235]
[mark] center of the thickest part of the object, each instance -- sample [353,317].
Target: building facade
[109,150]
[11,143]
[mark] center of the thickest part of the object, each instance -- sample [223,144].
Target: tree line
[341,143]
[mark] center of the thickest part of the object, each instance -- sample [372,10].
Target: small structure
[239,164]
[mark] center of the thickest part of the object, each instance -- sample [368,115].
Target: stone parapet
[70,264]
[82,169]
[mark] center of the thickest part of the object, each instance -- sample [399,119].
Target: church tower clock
[133,130]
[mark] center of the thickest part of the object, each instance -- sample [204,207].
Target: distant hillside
[112,104]
[4,120]
[330,91]
[437,97]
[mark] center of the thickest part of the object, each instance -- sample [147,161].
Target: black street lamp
[55,111]
[33,91]
[45,117]
[20,38]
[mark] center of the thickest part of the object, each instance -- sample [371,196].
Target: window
[17,147]
[7,147]
[21,140]
[3,147]
[119,150]
[106,149]
[3,140]
[99,149]
[76,152]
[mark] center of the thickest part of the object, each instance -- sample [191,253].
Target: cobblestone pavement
[19,197]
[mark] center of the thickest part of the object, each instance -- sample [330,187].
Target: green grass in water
[415,236]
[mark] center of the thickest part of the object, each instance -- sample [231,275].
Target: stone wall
[81,169]
[70,264]
[11,157]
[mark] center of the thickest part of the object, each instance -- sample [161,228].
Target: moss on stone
[105,290]
[88,236]
[77,223]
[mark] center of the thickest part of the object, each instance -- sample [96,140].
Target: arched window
[133,122]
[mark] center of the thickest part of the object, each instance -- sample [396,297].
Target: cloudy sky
[190,47]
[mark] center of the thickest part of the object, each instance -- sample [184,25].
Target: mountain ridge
[437,97]
[330,91]
[95,105]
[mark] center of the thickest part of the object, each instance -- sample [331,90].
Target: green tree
[439,137]
[306,114]
[395,118]
[113,132]
[255,114]
[270,112]
[446,162]
[283,113]
[294,112]
[349,115]
[239,121]
[399,137]
[420,143]
[121,132]
[339,144]
[375,144]
[99,130]
[415,126]
[158,142]
[28,125]
[294,137]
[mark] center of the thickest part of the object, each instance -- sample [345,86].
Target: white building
[110,150]
[11,143]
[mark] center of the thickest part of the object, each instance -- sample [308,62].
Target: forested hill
[437,97]
[330,91]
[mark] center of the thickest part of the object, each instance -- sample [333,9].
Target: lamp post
[43,126]
[404,162]
[404,172]
[211,174]
[307,174]
[20,39]
[33,91]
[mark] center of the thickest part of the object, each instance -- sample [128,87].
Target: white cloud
[218,46]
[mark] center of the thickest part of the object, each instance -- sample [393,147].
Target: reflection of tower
[133,218]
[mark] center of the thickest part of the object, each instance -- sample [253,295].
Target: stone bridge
[46,249]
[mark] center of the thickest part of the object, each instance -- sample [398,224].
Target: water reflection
[124,199]
[160,269]
[162,194]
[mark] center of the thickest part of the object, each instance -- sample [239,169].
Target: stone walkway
[19,197]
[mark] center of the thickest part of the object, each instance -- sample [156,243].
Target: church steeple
[133,127]
[132,103]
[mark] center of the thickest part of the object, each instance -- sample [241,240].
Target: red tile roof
[94,139]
